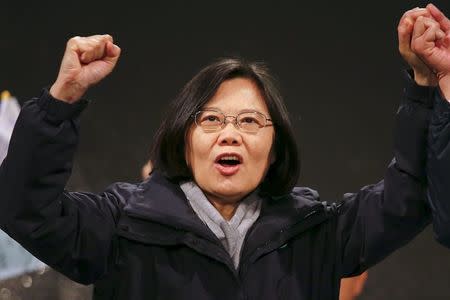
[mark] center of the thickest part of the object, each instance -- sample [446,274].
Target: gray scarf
[230,233]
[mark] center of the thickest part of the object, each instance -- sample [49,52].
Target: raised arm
[431,41]
[86,61]
[71,232]
[385,216]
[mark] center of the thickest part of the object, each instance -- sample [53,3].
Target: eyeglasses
[251,121]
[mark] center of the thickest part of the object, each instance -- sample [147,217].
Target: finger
[404,31]
[419,28]
[412,15]
[415,13]
[71,52]
[112,52]
[406,26]
[91,52]
[433,31]
[93,48]
[417,42]
[443,21]
[107,38]
[425,36]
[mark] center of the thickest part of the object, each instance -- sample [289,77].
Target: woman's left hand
[423,75]
[431,41]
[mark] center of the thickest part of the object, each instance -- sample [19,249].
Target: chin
[231,188]
[233,192]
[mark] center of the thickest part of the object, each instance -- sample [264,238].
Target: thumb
[443,21]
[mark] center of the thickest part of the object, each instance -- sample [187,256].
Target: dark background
[337,64]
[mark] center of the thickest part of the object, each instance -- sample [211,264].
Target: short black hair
[168,150]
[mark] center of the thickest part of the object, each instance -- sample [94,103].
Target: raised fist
[86,61]
[431,42]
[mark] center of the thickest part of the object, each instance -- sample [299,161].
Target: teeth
[231,157]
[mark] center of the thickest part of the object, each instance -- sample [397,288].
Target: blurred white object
[9,111]
[14,260]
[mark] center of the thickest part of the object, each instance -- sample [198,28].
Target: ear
[188,164]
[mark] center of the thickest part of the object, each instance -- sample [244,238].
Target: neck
[225,208]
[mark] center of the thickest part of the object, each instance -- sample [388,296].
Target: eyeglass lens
[214,120]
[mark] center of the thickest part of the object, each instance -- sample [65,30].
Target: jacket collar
[161,201]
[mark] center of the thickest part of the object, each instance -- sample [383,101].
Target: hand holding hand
[423,75]
[86,61]
[431,42]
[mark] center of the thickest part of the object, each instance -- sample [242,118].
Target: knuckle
[93,40]
[97,42]
[73,40]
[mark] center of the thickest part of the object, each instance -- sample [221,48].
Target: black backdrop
[337,64]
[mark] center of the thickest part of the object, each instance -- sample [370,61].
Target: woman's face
[208,154]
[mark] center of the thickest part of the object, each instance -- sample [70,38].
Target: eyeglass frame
[235,121]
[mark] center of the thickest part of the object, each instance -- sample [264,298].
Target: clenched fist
[86,61]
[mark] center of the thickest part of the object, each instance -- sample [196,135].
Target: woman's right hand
[86,61]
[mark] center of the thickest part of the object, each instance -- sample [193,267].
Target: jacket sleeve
[438,169]
[383,217]
[71,232]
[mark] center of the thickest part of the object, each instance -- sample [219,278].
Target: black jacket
[438,169]
[143,241]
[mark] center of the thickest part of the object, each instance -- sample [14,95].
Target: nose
[230,135]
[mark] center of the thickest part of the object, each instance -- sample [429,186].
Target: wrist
[425,79]
[66,92]
[444,86]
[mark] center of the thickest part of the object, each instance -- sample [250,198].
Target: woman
[219,217]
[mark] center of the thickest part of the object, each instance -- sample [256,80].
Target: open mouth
[229,160]
[228,163]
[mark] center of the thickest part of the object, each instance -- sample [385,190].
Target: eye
[211,118]
[249,120]
[207,118]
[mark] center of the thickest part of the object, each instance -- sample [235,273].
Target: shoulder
[307,197]
[123,189]
[298,198]
[155,194]
[305,193]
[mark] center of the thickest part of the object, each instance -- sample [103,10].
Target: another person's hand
[86,61]
[352,287]
[422,74]
[146,170]
[431,41]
